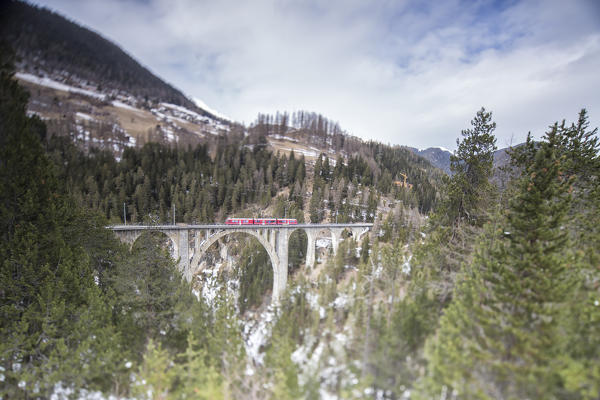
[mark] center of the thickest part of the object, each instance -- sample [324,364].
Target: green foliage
[295,318]
[184,376]
[315,208]
[255,274]
[80,309]
[198,379]
[395,357]
[365,249]
[580,365]
[297,250]
[76,306]
[471,165]
[285,371]
[500,337]
[55,324]
[157,374]
[148,294]
[153,180]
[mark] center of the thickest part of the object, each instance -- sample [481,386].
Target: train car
[265,221]
[287,221]
[239,221]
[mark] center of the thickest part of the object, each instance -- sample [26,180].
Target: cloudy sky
[400,72]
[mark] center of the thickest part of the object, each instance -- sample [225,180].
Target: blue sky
[401,72]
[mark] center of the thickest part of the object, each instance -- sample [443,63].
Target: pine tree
[148,289]
[315,206]
[471,165]
[365,248]
[284,371]
[501,337]
[156,377]
[198,380]
[580,365]
[55,324]
[255,274]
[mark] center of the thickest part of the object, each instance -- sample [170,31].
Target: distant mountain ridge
[46,42]
[440,157]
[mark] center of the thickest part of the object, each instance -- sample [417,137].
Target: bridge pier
[310,247]
[357,233]
[272,238]
[281,274]
[183,252]
[336,234]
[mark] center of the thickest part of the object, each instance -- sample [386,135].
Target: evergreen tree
[255,274]
[365,248]
[148,289]
[501,336]
[55,325]
[198,380]
[471,166]
[156,377]
[315,206]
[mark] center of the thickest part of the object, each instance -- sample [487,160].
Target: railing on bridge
[223,226]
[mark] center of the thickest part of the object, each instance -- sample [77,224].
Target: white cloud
[413,73]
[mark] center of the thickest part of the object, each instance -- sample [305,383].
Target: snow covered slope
[113,119]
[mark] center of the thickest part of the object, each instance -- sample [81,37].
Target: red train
[261,221]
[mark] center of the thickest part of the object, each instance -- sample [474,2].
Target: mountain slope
[45,41]
[87,88]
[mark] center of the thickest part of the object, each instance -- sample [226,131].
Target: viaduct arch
[275,240]
[263,239]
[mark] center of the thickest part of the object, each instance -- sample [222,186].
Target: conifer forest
[483,283]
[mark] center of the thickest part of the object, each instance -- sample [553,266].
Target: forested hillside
[78,308]
[462,290]
[342,160]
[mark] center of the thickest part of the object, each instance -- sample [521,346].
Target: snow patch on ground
[279,137]
[307,153]
[342,301]
[204,106]
[256,332]
[126,106]
[323,242]
[170,113]
[325,361]
[84,116]
[210,285]
[406,265]
[307,358]
[171,137]
[313,302]
[51,83]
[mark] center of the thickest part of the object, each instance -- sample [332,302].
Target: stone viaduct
[190,242]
